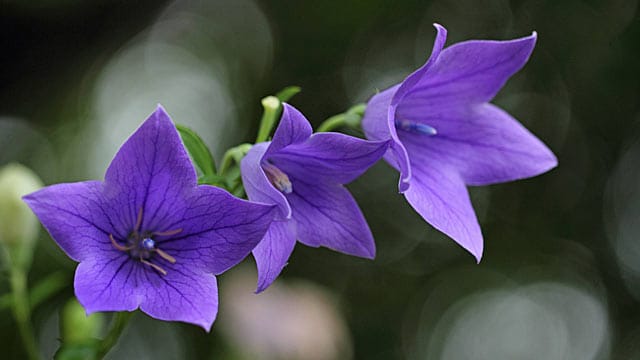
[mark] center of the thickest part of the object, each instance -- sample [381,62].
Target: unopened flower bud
[18,225]
[76,327]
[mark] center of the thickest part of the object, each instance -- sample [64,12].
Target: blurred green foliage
[579,93]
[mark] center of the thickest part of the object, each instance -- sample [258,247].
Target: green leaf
[41,292]
[287,93]
[198,151]
[87,350]
[213,179]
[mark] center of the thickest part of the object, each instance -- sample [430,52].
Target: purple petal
[375,121]
[439,195]
[334,157]
[152,172]
[293,128]
[421,75]
[382,107]
[120,283]
[483,143]
[256,183]
[273,251]
[470,71]
[327,215]
[109,283]
[218,230]
[184,294]
[77,217]
[375,124]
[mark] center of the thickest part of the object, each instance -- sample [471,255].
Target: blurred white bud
[18,225]
[77,326]
[293,321]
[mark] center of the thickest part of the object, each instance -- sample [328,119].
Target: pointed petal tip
[371,254]
[473,249]
[533,38]
[549,163]
[476,249]
[28,199]
[262,286]
[206,326]
[265,280]
[403,185]
[160,110]
[440,28]
[287,110]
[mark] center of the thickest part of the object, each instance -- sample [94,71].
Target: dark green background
[579,94]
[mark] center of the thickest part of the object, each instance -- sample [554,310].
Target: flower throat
[140,245]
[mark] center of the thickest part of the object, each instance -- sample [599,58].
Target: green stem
[22,312]
[334,122]
[351,118]
[271,106]
[235,154]
[118,324]
[226,162]
[40,292]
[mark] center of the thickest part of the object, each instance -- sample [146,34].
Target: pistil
[142,246]
[415,127]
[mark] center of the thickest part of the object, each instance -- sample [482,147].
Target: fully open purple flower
[149,237]
[303,174]
[445,135]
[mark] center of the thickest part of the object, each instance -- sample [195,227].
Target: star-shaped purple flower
[446,135]
[148,236]
[303,174]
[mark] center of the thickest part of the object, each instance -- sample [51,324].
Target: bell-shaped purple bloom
[446,135]
[303,174]
[148,236]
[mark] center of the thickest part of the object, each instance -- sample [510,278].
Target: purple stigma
[415,127]
[148,244]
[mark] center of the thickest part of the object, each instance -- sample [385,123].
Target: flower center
[279,179]
[140,245]
[415,127]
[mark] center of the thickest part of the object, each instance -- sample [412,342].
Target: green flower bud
[18,225]
[76,327]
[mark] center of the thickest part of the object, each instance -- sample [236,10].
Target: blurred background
[560,278]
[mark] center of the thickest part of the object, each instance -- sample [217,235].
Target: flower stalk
[272,108]
[22,312]
[118,324]
[350,119]
[235,154]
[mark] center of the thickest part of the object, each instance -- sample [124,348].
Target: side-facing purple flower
[148,236]
[445,134]
[303,174]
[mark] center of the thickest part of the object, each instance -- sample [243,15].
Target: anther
[138,222]
[118,246]
[165,256]
[279,179]
[168,233]
[156,267]
[415,127]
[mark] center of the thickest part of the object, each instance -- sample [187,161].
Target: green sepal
[287,93]
[213,179]
[198,151]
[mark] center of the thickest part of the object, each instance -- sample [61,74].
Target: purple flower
[445,134]
[303,175]
[149,237]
